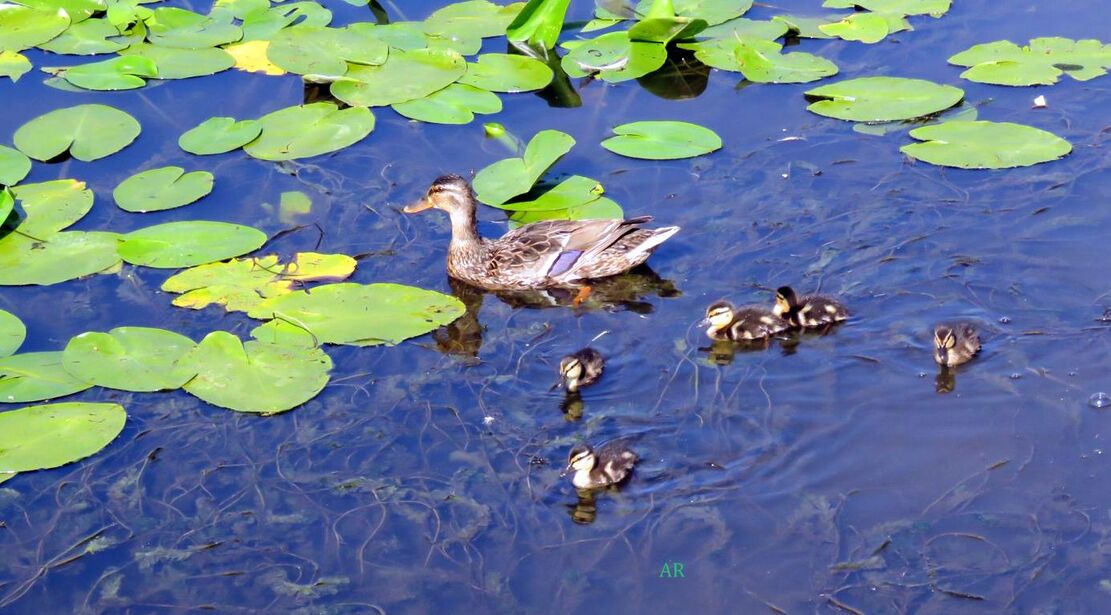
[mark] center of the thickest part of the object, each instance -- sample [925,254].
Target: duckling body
[745,323]
[581,369]
[808,311]
[594,469]
[547,254]
[955,343]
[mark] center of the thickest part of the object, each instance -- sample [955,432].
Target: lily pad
[218,135]
[264,24]
[35,376]
[162,188]
[662,140]
[13,65]
[173,63]
[88,132]
[12,333]
[87,38]
[129,359]
[22,27]
[52,206]
[882,99]
[240,284]
[933,8]
[713,11]
[255,377]
[601,208]
[308,50]
[251,57]
[7,204]
[613,57]
[508,178]
[807,27]
[985,145]
[177,27]
[360,315]
[768,30]
[309,130]
[64,256]
[573,192]
[14,166]
[78,10]
[1042,62]
[455,104]
[864,27]
[502,72]
[52,435]
[408,75]
[120,73]
[761,61]
[188,243]
[474,18]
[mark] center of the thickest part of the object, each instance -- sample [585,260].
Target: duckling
[955,343]
[810,311]
[607,466]
[749,322]
[580,369]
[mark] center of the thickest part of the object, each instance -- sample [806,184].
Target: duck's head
[581,459]
[945,339]
[450,193]
[570,373]
[785,300]
[718,316]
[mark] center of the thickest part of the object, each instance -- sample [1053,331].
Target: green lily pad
[255,377]
[408,75]
[124,13]
[14,166]
[13,65]
[12,333]
[933,8]
[807,27]
[7,204]
[659,23]
[188,243]
[761,60]
[474,17]
[508,178]
[52,206]
[35,376]
[240,284]
[501,72]
[985,145]
[264,24]
[88,132]
[864,27]
[768,30]
[52,435]
[64,256]
[712,11]
[539,23]
[120,73]
[78,10]
[664,140]
[173,63]
[403,35]
[129,359]
[162,188]
[882,99]
[601,208]
[360,315]
[218,135]
[309,130]
[455,104]
[87,38]
[575,191]
[308,50]
[176,27]
[613,57]
[1042,62]
[22,27]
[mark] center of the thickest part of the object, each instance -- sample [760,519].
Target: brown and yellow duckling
[955,343]
[580,369]
[745,323]
[594,469]
[808,311]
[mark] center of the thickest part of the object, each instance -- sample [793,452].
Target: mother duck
[551,253]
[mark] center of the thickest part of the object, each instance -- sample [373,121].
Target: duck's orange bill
[420,205]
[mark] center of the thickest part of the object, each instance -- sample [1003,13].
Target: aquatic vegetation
[61,257]
[761,61]
[13,65]
[512,177]
[173,63]
[52,435]
[87,132]
[310,50]
[309,130]
[409,75]
[218,135]
[162,188]
[662,140]
[51,206]
[455,104]
[129,359]
[1042,62]
[120,73]
[985,145]
[35,376]
[187,243]
[882,99]
[22,27]
[14,166]
[12,333]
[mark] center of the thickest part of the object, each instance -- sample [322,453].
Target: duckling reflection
[585,510]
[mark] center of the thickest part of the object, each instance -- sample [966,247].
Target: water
[823,474]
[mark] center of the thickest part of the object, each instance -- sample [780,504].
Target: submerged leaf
[455,104]
[1042,62]
[162,188]
[508,178]
[408,75]
[664,140]
[310,130]
[63,256]
[188,243]
[217,135]
[14,166]
[88,132]
[882,99]
[52,435]
[12,333]
[985,145]
[35,376]
[129,359]
[502,72]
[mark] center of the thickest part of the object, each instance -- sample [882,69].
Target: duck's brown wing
[554,248]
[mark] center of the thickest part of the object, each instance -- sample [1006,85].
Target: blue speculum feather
[565,261]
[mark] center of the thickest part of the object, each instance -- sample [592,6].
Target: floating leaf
[761,61]
[14,166]
[183,63]
[251,57]
[12,333]
[88,132]
[501,72]
[78,10]
[864,27]
[455,104]
[7,204]
[573,192]
[882,99]
[120,73]
[63,256]
[188,243]
[807,27]
[88,38]
[712,11]
[264,24]
[22,27]
[35,376]
[741,26]
[162,188]
[255,377]
[52,206]
[613,57]
[241,284]
[360,315]
[508,178]
[307,50]
[985,145]
[129,359]
[13,65]
[176,27]
[1042,62]
[474,18]
[310,130]
[539,23]
[52,435]
[663,140]
[408,75]
[217,135]
[601,208]
[934,8]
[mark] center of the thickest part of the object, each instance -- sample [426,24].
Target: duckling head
[570,373]
[718,317]
[450,193]
[581,459]
[785,300]
[945,339]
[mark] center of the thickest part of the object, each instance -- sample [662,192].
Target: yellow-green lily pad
[35,376]
[985,145]
[87,132]
[162,188]
[188,243]
[12,333]
[309,130]
[129,359]
[52,435]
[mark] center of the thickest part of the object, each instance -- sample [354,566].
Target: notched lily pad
[408,75]
[22,27]
[162,188]
[88,132]
[177,27]
[863,27]
[188,243]
[574,192]
[173,63]
[35,376]
[761,61]
[508,178]
[1042,62]
[501,72]
[62,257]
[985,145]
[12,333]
[218,135]
[51,206]
[309,50]
[455,104]
[882,99]
[14,166]
[52,435]
[120,73]
[662,140]
[310,130]
[129,359]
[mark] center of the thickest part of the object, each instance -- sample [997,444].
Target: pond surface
[823,474]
